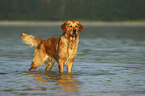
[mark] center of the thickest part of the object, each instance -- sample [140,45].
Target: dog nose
[74,31]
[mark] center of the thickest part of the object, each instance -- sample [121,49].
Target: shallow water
[110,62]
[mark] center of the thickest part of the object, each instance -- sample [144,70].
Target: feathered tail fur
[31,40]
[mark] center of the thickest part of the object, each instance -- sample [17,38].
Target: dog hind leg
[33,66]
[39,58]
[49,64]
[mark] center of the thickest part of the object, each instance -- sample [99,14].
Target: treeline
[99,10]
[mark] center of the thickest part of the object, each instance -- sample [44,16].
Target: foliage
[102,10]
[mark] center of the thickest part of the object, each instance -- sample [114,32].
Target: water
[110,62]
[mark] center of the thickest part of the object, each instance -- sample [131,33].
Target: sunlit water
[110,62]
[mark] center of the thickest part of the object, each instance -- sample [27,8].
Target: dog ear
[63,27]
[80,27]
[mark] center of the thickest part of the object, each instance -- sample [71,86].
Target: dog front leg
[60,66]
[69,67]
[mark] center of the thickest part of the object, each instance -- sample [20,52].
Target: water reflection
[64,82]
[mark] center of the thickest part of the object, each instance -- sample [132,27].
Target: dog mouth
[74,33]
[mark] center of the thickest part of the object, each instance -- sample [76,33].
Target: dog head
[72,28]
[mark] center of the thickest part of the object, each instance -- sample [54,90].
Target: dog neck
[70,41]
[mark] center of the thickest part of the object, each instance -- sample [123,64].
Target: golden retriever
[63,49]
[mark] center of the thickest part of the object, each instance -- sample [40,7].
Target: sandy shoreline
[47,23]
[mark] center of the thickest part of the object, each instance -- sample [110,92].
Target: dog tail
[31,40]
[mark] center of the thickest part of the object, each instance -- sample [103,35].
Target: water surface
[110,62]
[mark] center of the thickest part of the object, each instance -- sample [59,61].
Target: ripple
[3,73]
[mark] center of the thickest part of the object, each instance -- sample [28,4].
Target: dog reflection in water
[66,82]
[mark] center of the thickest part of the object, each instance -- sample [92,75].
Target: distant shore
[85,23]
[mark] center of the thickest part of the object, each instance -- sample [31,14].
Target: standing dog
[62,49]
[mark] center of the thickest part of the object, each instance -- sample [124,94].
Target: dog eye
[70,26]
[76,26]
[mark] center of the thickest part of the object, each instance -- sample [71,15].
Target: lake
[110,62]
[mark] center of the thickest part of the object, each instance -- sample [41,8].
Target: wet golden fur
[62,49]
